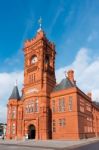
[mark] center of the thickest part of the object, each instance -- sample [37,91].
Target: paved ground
[19,148]
[89,144]
[93,146]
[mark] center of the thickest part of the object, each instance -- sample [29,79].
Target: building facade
[47,110]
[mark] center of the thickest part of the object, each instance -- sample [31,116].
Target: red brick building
[47,110]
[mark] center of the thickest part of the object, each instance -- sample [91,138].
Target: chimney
[89,94]
[70,74]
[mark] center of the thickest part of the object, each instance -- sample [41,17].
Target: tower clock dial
[34,60]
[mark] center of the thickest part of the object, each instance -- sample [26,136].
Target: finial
[40,22]
[65,72]
[16,82]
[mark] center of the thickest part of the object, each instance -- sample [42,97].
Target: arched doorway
[31,132]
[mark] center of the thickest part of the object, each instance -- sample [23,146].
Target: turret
[15,94]
[12,107]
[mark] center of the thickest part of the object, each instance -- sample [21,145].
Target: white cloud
[7,81]
[86,70]
[3,114]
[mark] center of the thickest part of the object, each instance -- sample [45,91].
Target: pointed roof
[15,93]
[64,84]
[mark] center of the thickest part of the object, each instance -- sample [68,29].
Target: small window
[53,105]
[54,126]
[26,109]
[47,59]
[32,78]
[13,128]
[70,103]
[61,106]
[32,107]
[13,114]
[36,105]
[62,122]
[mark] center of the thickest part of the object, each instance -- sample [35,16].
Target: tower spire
[40,24]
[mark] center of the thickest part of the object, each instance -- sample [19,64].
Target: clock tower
[39,65]
[39,80]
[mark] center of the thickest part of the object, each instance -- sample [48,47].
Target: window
[29,108]
[13,114]
[61,105]
[82,108]
[54,126]
[36,105]
[62,122]
[13,128]
[26,109]
[8,129]
[88,107]
[32,78]
[32,106]
[47,59]
[70,103]
[82,105]
[53,105]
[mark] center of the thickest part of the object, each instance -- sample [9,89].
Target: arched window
[47,59]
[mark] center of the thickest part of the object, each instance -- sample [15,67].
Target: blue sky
[73,25]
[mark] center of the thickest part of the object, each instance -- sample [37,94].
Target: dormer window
[34,59]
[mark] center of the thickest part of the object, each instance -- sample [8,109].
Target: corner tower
[12,114]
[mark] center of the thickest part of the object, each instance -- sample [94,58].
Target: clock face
[34,60]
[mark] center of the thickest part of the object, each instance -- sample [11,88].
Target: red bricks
[47,110]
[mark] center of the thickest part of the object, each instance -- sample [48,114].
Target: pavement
[46,144]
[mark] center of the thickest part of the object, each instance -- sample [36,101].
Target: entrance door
[31,132]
